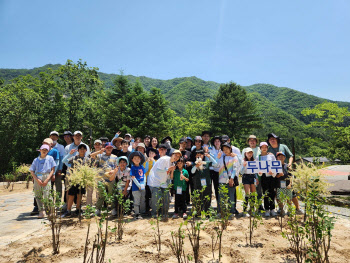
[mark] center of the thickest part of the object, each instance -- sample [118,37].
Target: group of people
[152,173]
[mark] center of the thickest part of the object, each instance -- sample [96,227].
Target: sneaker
[41,215]
[114,212]
[246,215]
[184,216]
[299,211]
[76,212]
[273,212]
[66,214]
[172,199]
[64,208]
[235,212]
[138,216]
[98,212]
[175,216]
[267,213]
[35,211]
[279,211]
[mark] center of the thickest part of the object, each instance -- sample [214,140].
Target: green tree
[335,121]
[78,83]
[232,112]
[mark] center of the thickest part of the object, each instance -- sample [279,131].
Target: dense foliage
[76,97]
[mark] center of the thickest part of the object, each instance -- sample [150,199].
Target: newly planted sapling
[52,204]
[123,207]
[255,217]
[194,226]
[89,211]
[177,244]
[100,240]
[296,234]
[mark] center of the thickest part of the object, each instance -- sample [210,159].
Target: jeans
[157,193]
[231,196]
[139,201]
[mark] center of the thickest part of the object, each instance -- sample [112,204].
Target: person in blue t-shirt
[137,173]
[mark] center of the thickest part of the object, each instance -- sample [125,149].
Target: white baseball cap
[54,133]
[78,132]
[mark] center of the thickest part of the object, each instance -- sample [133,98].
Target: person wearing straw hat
[138,188]
[253,142]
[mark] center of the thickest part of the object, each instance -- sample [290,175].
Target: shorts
[286,192]
[248,179]
[74,190]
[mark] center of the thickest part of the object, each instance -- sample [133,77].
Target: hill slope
[181,91]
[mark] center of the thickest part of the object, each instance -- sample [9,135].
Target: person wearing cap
[276,146]
[228,175]
[249,181]
[268,182]
[253,142]
[158,180]
[138,188]
[168,141]
[206,138]
[117,142]
[42,169]
[77,140]
[107,162]
[285,184]
[122,180]
[198,143]
[97,146]
[235,150]
[76,190]
[189,144]
[67,136]
[152,154]
[162,149]
[201,177]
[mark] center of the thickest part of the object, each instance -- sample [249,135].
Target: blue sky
[303,45]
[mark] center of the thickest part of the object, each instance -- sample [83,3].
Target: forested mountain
[280,104]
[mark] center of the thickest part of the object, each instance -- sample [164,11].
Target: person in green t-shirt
[180,177]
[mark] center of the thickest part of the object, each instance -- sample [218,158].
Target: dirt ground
[138,242]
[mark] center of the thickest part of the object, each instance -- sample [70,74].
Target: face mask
[54,142]
[168,143]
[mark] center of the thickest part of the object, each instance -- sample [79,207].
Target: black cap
[274,136]
[224,138]
[183,139]
[163,146]
[66,133]
[166,138]
[226,144]
[136,153]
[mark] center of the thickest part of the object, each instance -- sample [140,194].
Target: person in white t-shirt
[158,180]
